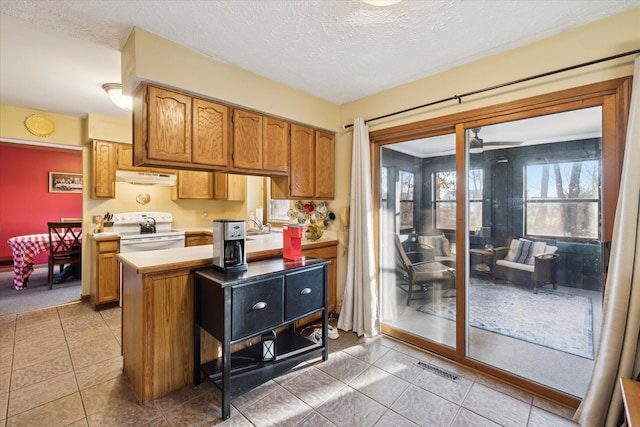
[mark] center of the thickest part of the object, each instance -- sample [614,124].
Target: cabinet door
[210,133]
[236,187]
[104,170]
[108,278]
[330,254]
[169,126]
[193,185]
[247,140]
[275,145]
[325,165]
[256,307]
[198,240]
[125,157]
[304,292]
[301,174]
[220,185]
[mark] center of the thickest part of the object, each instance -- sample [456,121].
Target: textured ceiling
[56,54]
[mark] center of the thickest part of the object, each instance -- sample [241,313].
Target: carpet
[552,319]
[37,294]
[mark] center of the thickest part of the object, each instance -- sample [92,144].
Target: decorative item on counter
[143,198]
[309,207]
[313,232]
[292,242]
[328,218]
[311,213]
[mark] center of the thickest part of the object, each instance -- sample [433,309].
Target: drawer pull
[305,291]
[259,305]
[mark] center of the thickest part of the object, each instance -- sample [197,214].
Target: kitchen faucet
[258,223]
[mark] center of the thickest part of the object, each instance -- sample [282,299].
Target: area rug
[550,318]
[37,295]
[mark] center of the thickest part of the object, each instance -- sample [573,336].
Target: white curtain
[618,352]
[359,311]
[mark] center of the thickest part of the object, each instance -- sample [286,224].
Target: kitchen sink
[260,233]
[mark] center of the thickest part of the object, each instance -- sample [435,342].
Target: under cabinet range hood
[146,178]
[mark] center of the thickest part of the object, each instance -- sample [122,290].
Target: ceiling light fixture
[382,3]
[115,93]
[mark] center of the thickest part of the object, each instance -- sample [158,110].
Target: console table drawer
[256,306]
[304,292]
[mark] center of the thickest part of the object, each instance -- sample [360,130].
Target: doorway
[28,203]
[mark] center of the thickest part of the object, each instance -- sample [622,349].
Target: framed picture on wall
[65,182]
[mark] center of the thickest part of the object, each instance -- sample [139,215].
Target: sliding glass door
[534,284]
[491,230]
[418,238]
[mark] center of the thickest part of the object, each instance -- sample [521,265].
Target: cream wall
[607,37]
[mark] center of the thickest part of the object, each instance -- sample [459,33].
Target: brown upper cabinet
[103,185]
[311,173]
[325,165]
[179,131]
[260,143]
[176,130]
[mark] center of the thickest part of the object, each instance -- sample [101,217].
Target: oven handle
[147,241]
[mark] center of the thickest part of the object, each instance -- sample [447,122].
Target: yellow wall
[617,34]
[147,57]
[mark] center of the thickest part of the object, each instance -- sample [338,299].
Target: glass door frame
[614,98]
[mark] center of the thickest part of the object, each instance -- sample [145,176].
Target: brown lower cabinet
[105,271]
[198,239]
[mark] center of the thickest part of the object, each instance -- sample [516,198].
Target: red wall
[25,202]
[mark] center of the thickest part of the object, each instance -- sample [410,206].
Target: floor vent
[438,371]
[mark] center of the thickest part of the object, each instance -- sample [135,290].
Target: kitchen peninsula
[158,310]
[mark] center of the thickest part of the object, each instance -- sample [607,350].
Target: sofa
[527,262]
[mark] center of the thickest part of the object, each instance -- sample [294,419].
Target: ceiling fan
[477,144]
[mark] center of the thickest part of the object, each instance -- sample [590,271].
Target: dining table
[25,249]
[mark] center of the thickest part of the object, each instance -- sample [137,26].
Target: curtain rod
[486,89]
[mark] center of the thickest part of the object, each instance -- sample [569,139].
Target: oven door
[139,244]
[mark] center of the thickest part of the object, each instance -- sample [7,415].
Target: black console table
[235,307]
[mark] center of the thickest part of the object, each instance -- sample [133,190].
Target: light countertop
[258,247]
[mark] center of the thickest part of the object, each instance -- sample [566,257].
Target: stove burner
[147,231]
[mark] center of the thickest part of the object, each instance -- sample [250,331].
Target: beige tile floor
[62,367]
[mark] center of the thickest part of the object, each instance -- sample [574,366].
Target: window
[406,200]
[563,199]
[277,209]
[384,187]
[445,199]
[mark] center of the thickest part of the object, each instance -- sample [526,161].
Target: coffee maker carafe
[229,251]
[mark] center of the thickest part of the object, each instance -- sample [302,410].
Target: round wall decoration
[39,125]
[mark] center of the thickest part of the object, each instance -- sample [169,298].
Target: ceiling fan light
[114,90]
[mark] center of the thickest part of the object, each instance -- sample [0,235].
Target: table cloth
[25,249]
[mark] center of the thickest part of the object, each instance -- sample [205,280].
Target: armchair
[528,263]
[416,273]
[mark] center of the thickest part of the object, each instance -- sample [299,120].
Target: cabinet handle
[305,291]
[259,305]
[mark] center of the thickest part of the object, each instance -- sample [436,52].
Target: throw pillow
[440,244]
[514,248]
[536,249]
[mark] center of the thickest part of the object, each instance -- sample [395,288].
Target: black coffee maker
[229,251]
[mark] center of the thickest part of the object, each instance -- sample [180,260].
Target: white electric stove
[146,231]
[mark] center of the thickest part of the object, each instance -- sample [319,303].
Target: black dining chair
[65,248]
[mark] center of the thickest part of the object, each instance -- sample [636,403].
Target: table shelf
[272,295]
[249,371]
